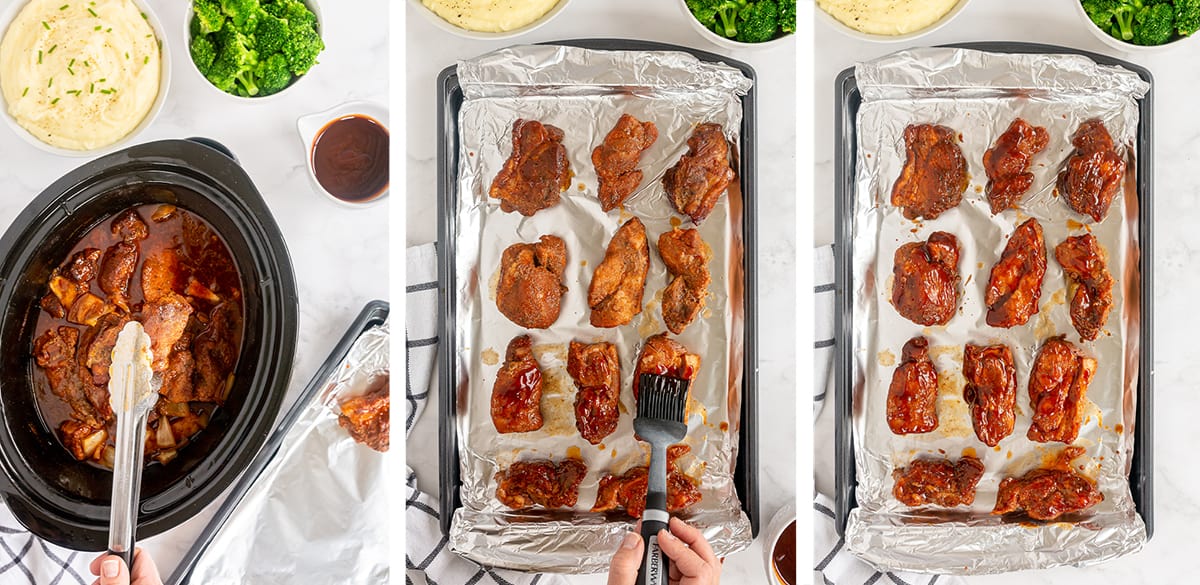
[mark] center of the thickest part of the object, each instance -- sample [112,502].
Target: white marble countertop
[431,49]
[1167,557]
[339,254]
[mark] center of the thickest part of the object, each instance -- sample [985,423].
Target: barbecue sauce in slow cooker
[350,158]
[199,364]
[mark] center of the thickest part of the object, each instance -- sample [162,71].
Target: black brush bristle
[662,397]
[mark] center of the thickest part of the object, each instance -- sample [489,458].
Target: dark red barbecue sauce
[350,158]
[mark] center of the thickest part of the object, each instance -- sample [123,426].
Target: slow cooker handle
[213,144]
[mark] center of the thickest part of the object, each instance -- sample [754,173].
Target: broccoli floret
[272,35]
[274,74]
[302,49]
[787,16]
[1187,16]
[1123,18]
[1155,25]
[1102,12]
[203,51]
[295,12]
[208,16]
[705,11]
[243,13]
[236,62]
[758,22]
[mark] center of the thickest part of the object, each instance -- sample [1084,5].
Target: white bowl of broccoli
[743,24]
[1141,26]
[253,49]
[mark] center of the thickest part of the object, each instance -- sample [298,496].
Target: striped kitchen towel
[427,558]
[28,560]
[834,564]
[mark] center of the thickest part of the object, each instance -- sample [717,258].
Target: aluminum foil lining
[584,92]
[320,508]
[978,95]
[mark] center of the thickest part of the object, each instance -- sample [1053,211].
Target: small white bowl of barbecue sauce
[780,547]
[347,148]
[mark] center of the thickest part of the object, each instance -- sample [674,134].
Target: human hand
[692,559]
[111,570]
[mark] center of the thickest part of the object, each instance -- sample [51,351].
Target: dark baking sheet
[1141,474]
[375,313]
[450,100]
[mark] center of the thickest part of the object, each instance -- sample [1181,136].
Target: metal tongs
[133,390]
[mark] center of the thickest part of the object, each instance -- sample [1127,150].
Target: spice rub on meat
[938,482]
[686,257]
[596,370]
[1058,388]
[368,417]
[934,176]
[544,483]
[1007,163]
[628,490]
[536,173]
[530,288]
[517,393]
[991,391]
[616,159]
[925,283]
[1015,285]
[702,175]
[1047,493]
[1094,172]
[615,294]
[664,356]
[912,397]
[1086,265]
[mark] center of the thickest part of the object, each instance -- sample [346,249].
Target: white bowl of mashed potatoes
[81,77]
[889,20]
[489,19]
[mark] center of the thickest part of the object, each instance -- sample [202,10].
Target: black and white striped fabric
[834,564]
[28,560]
[428,560]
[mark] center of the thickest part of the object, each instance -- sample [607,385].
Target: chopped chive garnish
[144,17]
[45,25]
[64,7]
[98,27]
[86,64]
[51,83]
[92,89]
[54,101]
[39,57]
[126,55]
[146,61]
[71,64]
[74,92]
[102,80]
[106,91]
[25,93]
[93,12]
[71,71]
[108,30]
[51,51]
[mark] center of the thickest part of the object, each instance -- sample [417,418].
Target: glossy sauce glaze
[783,556]
[350,158]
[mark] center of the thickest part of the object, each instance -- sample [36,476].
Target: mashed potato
[490,15]
[80,74]
[887,17]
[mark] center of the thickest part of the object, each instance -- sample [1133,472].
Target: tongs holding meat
[133,390]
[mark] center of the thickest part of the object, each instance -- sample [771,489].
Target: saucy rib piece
[530,289]
[517,393]
[666,357]
[55,351]
[912,397]
[1093,173]
[1007,163]
[1048,492]
[164,321]
[686,257]
[938,482]
[526,484]
[83,266]
[991,391]
[368,417]
[925,283]
[615,294]
[1058,388]
[1085,263]
[116,270]
[97,345]
[1015,285]
[536,173]
[628,490]
[702,175]
[934,176]
[596,370]
[215,351]
[129,226]
[617,157]
[81,440]
[160,274]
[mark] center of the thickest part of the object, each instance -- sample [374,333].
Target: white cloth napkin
[25,558]
[834,564]
[428,560]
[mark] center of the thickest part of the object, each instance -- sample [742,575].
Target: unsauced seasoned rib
[615,294]
[925,284]
[596,370]
[934,175]
[696,182]
[536,173]
[628,490]
[912,397]
[991,391]
[530,289]
[368,417]
[666,357]
[938,482]
[1094,172]
[517,393]
[686,257]
[1049,492]
[616,159]
[526,484]
[1015,286]
[1007,163]
[1085,263]
[1058,391]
